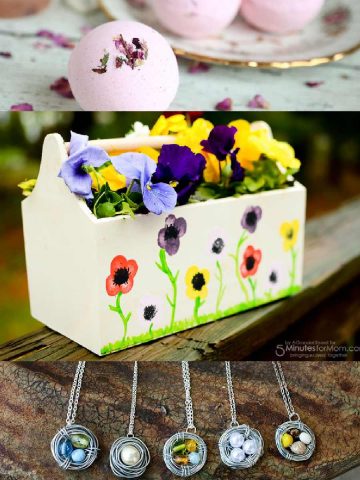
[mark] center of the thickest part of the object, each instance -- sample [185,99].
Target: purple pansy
[73,172]
[238,172]
[250,218]
[158,197]
[169,236]
[179,164]
[220,142]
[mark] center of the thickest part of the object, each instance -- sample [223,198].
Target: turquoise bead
[194,458]
[78,455]
[65,448]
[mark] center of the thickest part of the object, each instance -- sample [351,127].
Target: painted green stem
[293,267]
[221,290]
[124,318]
[236,258]
[151,329]
[198,303]
[252,284]
[164,267]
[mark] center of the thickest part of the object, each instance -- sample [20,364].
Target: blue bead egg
[78,455]
[194,458]
[65,448]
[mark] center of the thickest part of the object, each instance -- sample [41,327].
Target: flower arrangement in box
[225,183]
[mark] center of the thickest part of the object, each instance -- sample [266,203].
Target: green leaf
[105,209]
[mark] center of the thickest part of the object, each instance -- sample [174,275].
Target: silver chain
[285,391]
[230,387]
[75,393]
[133,401]
[188,401]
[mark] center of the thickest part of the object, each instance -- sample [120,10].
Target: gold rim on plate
[310,62]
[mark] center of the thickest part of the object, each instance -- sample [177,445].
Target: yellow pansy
[283,153]
[150,152]
[196,282]
[167,125]
[289,231]
[192,136]
[212,168]
[27,186]
[108,175]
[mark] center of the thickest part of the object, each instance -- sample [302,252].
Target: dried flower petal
[224,105]
[62,87]
[132,54]
[22,107]
[56,38]
[198,67]
[102,68]
[337,16]
[258,102]
[313,84]
[5,54]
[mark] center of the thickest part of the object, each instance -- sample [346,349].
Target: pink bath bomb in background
[280,16]
[123,65]
[196,18]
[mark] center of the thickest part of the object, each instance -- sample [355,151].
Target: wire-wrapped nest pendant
[129,457]
[295,441]
[241,447]
[185,454]
[74,447]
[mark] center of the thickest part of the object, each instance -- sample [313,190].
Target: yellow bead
[287,440]
[181,460]
[191,445]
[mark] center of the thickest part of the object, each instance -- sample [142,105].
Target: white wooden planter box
[69,252]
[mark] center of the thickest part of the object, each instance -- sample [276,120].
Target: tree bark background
[34,397]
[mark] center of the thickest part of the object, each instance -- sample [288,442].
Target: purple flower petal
[78,181]
[225,105]
[62,87]
[133,165]
[258,102]
[5,54]
[250,219]
[159,198]
[57,39]
[238,171]
[94,156]
[220,142]
[313,84]
[180,224]
[22,107]
[77,142]
[198,67]
[169,237]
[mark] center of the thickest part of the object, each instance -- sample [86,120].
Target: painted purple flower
[250,218]
[220,142]
[182,167]
[158,197]
[74,171]
[169,236]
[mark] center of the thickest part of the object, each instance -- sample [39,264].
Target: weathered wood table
[331,281]
[34,400]
[27,76]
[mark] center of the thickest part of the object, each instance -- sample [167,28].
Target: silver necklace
[129,456]
[74,447]
[294,440]
[240,446]
[185,452]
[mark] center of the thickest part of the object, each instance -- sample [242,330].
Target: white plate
[334,34]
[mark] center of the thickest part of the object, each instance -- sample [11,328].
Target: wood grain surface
[29,74]
[332,263]
[34,400]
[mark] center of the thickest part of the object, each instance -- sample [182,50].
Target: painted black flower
[250,218]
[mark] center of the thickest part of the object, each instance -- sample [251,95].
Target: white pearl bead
[237,455]
[249,447]
[305,438]
[130,455]
[236,439]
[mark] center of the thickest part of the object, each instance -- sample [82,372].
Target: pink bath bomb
[280,16]
[196,18]
[123,65]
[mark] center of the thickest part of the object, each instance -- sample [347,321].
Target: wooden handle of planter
[130,143]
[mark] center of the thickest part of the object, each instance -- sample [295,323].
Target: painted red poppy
[251,261]
[122,273]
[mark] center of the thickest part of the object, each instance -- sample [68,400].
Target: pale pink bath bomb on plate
[123,65]
[196,18]
[280,16]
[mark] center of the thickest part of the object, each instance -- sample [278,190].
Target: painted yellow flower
[167,125]
[27,186]
[108,175]
[196,282]
[192,136]
[289,231]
